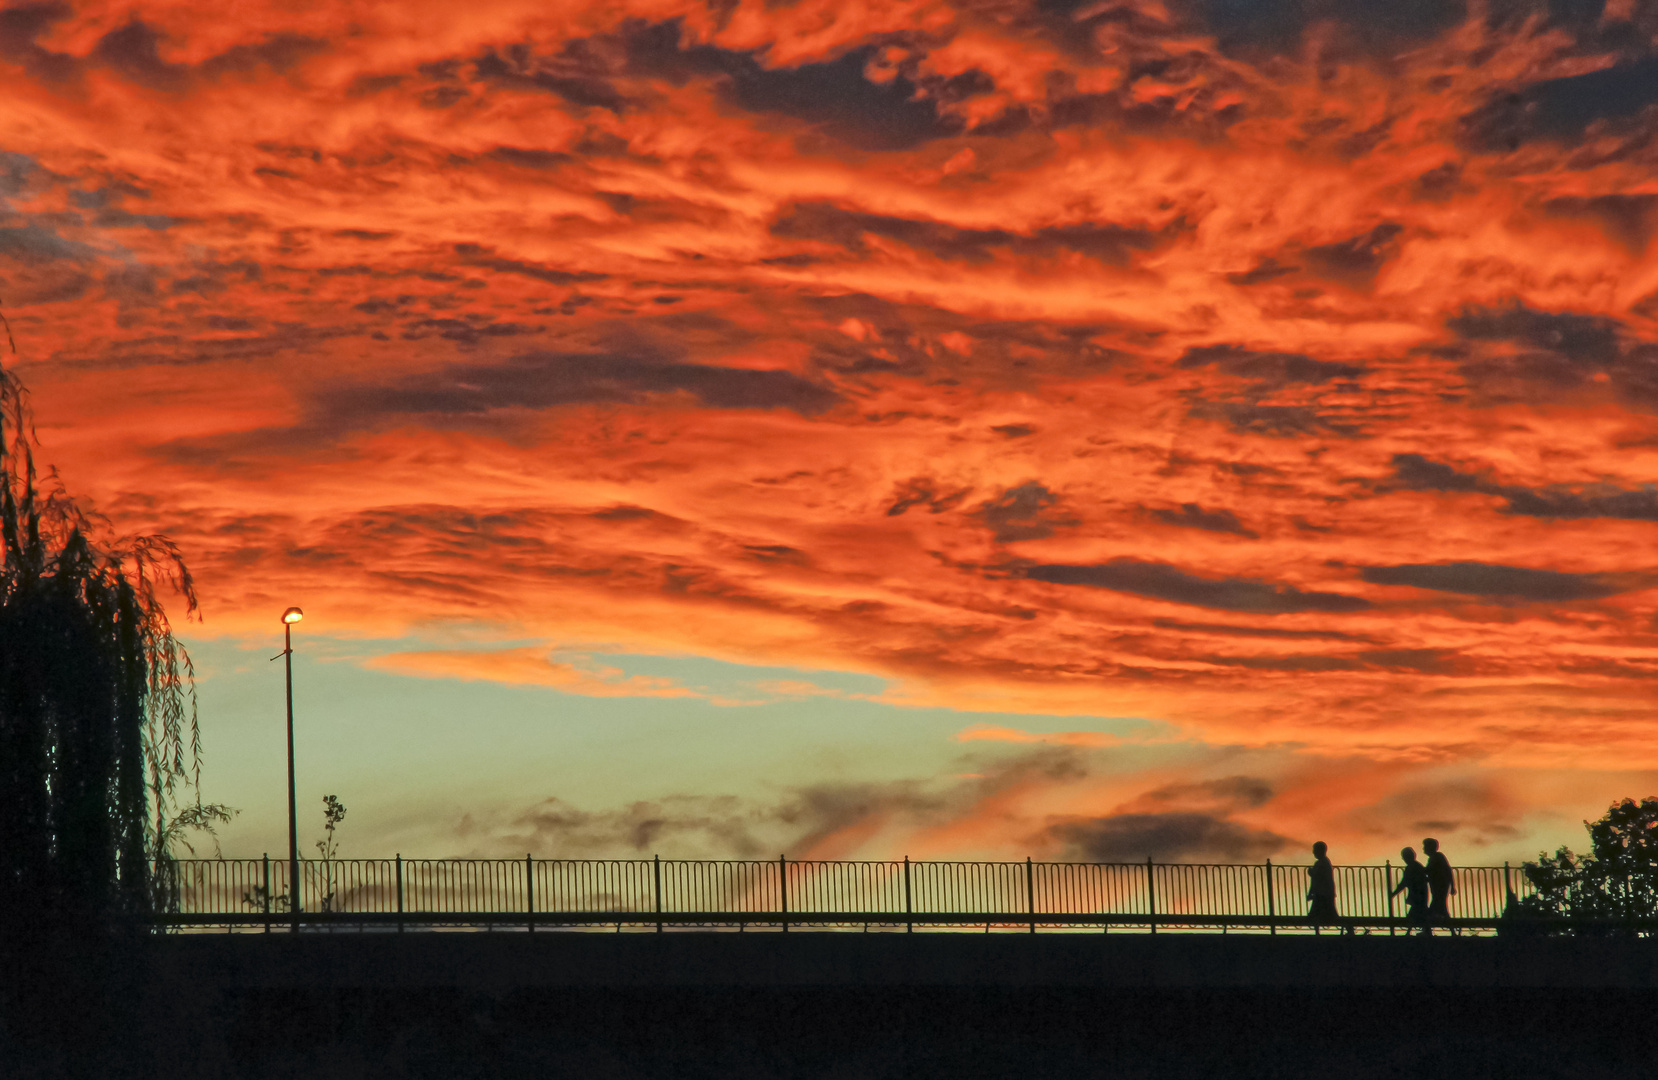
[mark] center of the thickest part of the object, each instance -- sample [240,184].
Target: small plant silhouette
[333,812]
[256,899]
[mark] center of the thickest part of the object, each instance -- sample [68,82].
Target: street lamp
[289,617]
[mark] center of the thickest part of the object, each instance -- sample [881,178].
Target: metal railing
[531,893]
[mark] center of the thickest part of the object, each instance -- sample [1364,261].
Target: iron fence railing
[778,894]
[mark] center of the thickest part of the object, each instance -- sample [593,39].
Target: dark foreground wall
[835,1005]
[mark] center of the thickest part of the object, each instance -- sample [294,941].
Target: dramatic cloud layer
[1285,373]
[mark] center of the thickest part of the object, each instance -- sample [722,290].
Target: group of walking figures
[1428,889]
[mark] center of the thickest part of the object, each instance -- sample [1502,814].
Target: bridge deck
[801,959]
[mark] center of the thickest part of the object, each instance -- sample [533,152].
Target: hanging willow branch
[98,727]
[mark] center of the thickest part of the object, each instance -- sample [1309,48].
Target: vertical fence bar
[909,907]
[481,892]
[1272,909]
[1151,896]
[1389,883]
[1030,893]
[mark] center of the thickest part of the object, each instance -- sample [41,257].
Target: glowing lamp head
[292,615]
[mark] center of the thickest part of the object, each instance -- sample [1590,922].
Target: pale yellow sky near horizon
[752,759]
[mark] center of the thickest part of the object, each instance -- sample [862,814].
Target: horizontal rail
[1009,919]
[739,893]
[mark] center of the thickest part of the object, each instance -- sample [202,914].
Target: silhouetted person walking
[1414,884]
[1321,889]
[1441,884]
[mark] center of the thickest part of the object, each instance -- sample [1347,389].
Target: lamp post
[289,617]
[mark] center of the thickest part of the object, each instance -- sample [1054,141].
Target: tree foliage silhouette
[98,731]
[1616,881]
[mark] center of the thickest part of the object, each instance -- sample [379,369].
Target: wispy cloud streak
[1285,376]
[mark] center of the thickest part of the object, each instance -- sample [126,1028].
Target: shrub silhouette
[1616,881]
[98,730]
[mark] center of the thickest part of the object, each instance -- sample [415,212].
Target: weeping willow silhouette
[98,731]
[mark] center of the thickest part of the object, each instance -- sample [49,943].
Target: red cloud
[1285,387]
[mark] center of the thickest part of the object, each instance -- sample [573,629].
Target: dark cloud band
[1161,581]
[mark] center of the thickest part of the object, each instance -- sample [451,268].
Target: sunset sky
[954,428]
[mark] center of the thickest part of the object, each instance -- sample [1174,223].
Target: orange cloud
[1288,384]
[996,733]
[525,667]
